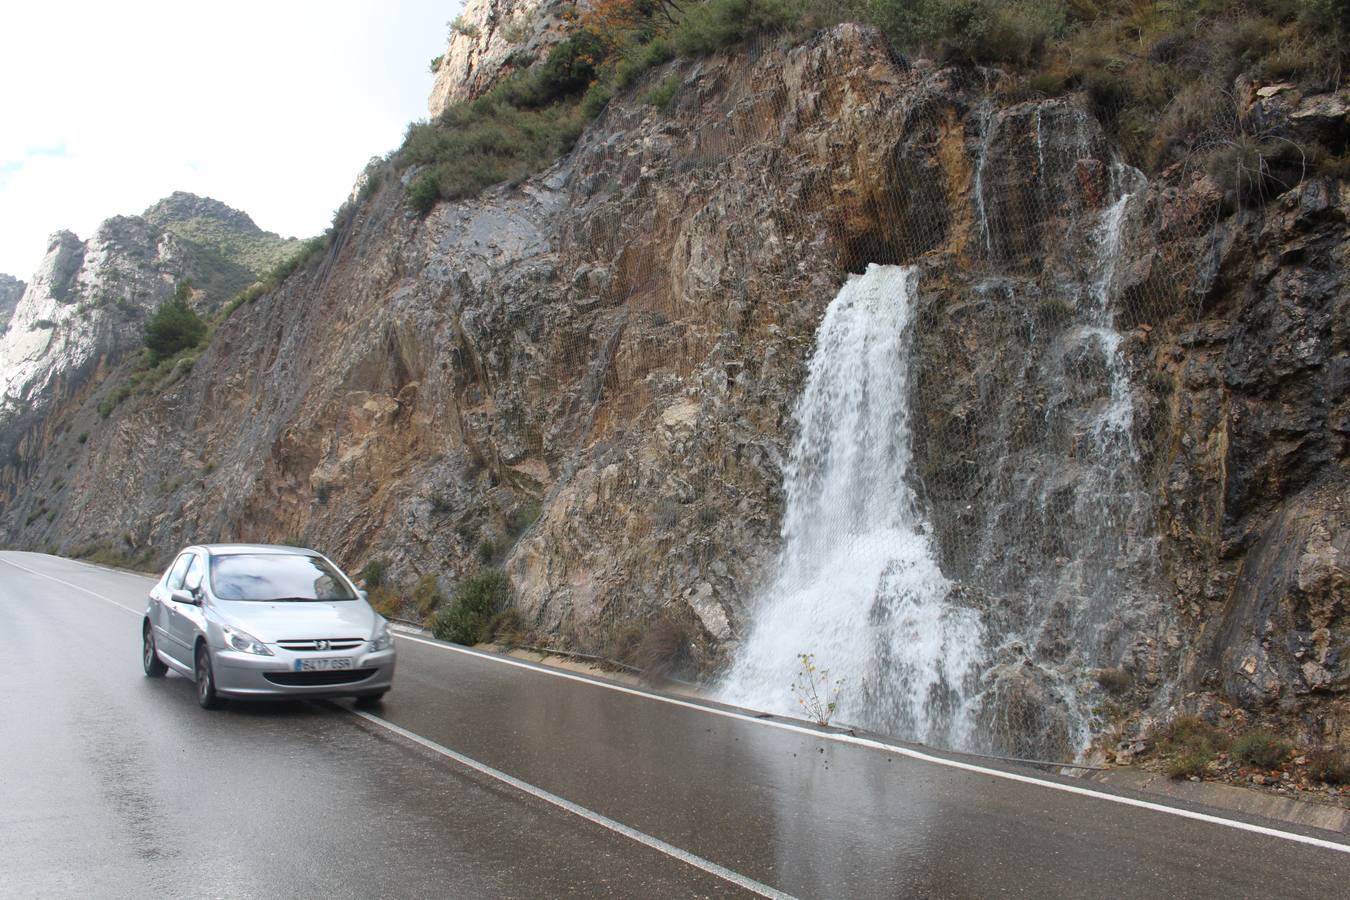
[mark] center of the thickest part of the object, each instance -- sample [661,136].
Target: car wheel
[370,701]
[154,666]
[207,698]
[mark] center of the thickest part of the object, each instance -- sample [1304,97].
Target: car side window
[180,566]
[196,571]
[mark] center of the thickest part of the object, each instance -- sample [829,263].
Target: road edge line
[70,584]
[641,837]
[902,751]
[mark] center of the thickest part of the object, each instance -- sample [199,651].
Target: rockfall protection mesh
[968,543]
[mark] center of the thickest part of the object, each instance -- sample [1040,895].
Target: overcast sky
[272,107]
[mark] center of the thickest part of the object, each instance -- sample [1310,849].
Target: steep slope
[84,312]
[492,39]
[11,291]
[591,380]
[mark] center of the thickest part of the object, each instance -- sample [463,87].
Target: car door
[181,620]
[162,607]
[188,619]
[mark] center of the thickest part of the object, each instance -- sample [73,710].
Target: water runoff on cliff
[1055,571]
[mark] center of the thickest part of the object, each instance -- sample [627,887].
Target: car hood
[294,621]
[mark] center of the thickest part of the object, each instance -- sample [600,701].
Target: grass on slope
[1160,74]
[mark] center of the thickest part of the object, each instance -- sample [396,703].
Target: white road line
[69,584]
[589,815]
[903,751]
[827,736]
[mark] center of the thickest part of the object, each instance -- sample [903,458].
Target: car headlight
[382,639]
[244,642]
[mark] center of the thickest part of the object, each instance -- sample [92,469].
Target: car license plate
[322,665]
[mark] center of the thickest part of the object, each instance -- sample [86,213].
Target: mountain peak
[180,207]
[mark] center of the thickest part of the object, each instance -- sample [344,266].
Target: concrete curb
[1226,796]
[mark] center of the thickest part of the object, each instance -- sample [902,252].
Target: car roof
[232,549]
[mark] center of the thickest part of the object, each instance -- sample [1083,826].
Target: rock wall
[494,38]
[11,291]
[588,378]
[84,313]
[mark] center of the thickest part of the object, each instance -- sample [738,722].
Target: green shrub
[488,549]
[1190,763]
[506,627]
[386,601]
[427,595]
[1260,748]
[1190,743]
[569,68]
[596,99]
[475,145]
[461,25]
[423,193]
[43,324]
[174,326]
[372,575]
[1115,681]
[522,517]
[663,95]
[717,24]
[1187,731]
[666,649]
[468,618]
[103,553]
[1330,766]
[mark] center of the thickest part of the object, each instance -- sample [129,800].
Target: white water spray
[858,584]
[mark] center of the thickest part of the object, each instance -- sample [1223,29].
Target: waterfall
[988,124]
[858,585]
[1060,579]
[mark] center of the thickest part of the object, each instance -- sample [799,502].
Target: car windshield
[276,577]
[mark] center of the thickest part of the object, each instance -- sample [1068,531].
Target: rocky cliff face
[11,291]
[589,379]
[84,312]
[493,39]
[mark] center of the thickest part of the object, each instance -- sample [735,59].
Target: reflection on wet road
[114,784]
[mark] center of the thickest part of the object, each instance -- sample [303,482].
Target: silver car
[255,622]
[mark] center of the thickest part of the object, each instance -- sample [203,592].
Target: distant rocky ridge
[11,291]
[84,310]
[230,250]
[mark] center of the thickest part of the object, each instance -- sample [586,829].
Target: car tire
[207,698]
[153,665]
[370,701]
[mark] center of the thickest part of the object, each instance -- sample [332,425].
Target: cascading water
[858,584]
[1081,580]
[1058,581]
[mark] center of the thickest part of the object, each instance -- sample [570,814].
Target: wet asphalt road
[112,784]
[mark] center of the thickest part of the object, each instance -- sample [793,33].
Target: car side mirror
[183,596]
[361,592]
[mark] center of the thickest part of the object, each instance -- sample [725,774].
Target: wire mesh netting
[900,414]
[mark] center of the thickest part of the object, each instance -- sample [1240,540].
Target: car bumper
[245,676]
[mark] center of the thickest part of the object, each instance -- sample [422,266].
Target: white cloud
[271,107]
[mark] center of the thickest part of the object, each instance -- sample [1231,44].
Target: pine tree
[175,326]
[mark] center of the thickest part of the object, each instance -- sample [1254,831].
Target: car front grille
[322,645]
[311,679]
